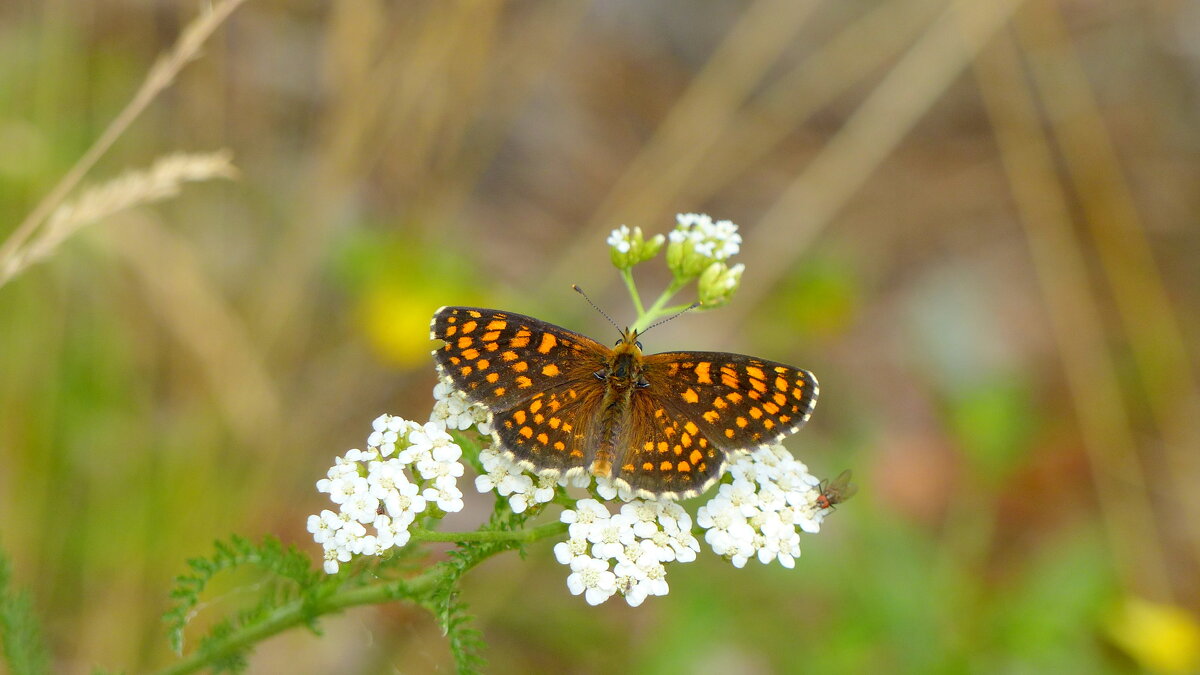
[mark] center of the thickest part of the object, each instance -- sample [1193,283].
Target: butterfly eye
[619,341]
[638,343]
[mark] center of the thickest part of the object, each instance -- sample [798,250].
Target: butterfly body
[661,424]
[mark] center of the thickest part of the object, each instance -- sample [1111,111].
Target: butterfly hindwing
[550,429]
[667,453]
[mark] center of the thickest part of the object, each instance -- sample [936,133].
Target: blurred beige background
[974,221]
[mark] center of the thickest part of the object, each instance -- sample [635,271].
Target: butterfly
[662,425]
[836,491]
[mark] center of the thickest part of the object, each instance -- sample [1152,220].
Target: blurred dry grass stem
[161,75]
[177,289]
[1075,319]
[1119,236]
[867,138]
[696,121]
[164,179]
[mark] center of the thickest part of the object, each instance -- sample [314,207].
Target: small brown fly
[836,491]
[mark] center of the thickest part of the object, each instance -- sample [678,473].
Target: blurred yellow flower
[1160,638]
[395,319]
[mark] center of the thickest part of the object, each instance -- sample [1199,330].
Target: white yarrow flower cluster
[621,239]
[759,514]
[452,408]
[522,488]
[405,467]
[714,240]
[624,553]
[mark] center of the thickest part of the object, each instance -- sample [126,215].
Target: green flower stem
[627,276]
[657,309]
[305,612]
[532,534]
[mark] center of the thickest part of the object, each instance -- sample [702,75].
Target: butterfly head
[629,344]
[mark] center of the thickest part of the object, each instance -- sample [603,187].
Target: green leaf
[19,631]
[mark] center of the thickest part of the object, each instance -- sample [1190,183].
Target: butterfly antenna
[660,322]
[602,312]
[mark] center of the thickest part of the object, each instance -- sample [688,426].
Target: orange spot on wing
[550,370]
[526,432]
[497,325]
[519,342]
[702,375]
[499,391]
[519,416]
[548,342]
[711,416]
[755,372]
[492,377]
[451,330]
[690,396]
[464,342]
[509,356]
[543,438]
[469,326]
[524,382]
[520,366]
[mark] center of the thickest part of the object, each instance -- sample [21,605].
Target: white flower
[610,536]
[758,513]
[697,243]
[509,480]
[637,541]
[447,496]
[588,513]
[592,578]
[575,547]
[453,410]
[628,246]
[374,488]
[621,239]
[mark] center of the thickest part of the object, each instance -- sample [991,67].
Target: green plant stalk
[658,309]
[627,277]
[303,611]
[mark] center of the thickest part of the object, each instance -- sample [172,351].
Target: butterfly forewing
[740,402]
[501,359]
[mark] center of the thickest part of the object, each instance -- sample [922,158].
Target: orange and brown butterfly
[836,491]
[662,425]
